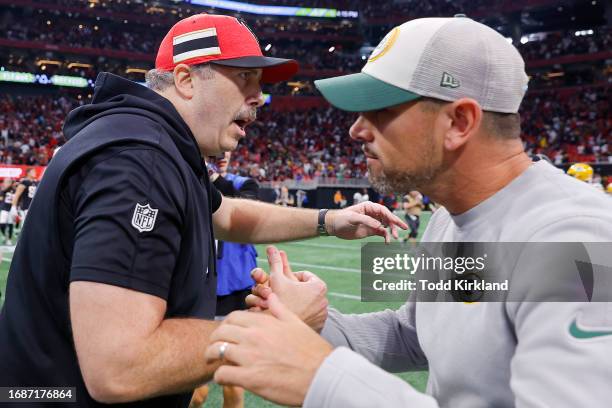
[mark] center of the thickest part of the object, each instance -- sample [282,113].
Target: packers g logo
[384,46]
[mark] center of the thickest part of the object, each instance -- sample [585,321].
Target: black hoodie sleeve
[129,213]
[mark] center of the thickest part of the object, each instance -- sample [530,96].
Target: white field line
[328,246]
[333,268]
[324,267]
[7,250]
[344,295]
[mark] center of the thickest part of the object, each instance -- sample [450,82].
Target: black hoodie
[125,202]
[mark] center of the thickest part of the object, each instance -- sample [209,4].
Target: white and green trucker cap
[442,58]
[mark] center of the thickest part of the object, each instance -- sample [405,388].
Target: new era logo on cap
[449,81]
[198,43]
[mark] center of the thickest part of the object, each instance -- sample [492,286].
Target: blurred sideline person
[361,196]
[436,113]
[584,172]
[301,197]
[235,261]
[285,198]
[117,263]
[413,207]
[8,212]
[339,199]
[26,190]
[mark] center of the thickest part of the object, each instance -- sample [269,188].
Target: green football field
[337,262]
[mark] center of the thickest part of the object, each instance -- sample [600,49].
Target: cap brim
[362,92]
[274,69]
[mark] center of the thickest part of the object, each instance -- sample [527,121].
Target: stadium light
[524,39]
[583,32]
[48,62]
[331,49]
[79,65]
[136,70]
[268,47]
[276,10]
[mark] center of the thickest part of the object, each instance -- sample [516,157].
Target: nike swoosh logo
[580,333]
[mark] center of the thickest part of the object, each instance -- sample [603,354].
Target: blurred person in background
[361,196]
[26,190]
[8,211]
[285,198]
[584,172]
[339,199]
[413,206]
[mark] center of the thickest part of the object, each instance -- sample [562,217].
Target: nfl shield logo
[144,217]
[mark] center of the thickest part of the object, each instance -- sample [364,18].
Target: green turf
[320,253]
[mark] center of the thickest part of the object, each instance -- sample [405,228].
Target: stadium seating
[568,126]
[566,114]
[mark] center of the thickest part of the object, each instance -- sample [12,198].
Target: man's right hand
[302,292]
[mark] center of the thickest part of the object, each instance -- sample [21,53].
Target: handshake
[274,349]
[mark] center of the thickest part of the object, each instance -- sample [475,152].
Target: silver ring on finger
[222,350]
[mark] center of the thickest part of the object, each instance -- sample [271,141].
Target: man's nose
[360,131]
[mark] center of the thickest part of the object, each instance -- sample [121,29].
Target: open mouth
[241,123]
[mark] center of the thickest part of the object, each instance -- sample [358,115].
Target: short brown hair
[501,125]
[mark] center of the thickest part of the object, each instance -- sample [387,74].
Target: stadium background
[52,50]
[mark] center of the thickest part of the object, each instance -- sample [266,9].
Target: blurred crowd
[303,145]
[567,126]
[572,128]
[69,32]
[31,127]
[562,43]
[314,53]
[300,145]
[366,8]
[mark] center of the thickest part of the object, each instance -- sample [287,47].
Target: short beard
[403,182]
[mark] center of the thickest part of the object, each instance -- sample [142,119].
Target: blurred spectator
[285,198]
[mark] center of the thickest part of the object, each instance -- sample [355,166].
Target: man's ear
[465,116]
[183,81]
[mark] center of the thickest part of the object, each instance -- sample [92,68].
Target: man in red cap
[224,50]
[112,289]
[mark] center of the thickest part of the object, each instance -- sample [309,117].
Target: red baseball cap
[222,40]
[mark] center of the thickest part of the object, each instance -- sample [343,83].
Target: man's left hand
[362,220]
[274,356]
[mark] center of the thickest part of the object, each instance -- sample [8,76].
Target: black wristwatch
[321,230]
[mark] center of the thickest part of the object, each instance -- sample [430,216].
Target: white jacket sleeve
[347,380]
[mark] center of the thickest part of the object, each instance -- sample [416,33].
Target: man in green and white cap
[438,107]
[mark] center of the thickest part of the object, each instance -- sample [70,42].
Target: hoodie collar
[113,94]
